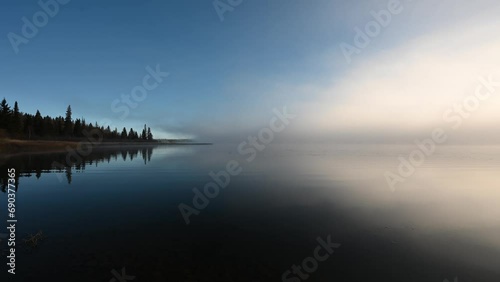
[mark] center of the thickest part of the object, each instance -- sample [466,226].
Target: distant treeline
[18,125]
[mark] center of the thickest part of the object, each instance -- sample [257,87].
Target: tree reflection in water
[28,164]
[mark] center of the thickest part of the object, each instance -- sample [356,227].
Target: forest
[15,124]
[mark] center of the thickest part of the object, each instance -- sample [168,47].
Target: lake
[327,209]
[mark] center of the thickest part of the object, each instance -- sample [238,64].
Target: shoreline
[12,147]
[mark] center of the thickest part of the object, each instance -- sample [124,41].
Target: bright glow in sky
[227,76]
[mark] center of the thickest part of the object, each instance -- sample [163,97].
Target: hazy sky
[225,77]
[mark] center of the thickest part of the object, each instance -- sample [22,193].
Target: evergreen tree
[5,114]
[114,134]
[77,129]
[48,127]
[59,125]
[68,124]
[16,124]
[28,126]
[144,133]
[38,124]
[124,134]
[150,135]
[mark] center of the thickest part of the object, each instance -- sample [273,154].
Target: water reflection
[27,165]
[125,213]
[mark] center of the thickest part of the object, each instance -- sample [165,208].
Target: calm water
[119,208]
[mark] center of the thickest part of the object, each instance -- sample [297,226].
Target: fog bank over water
[407,92]
[448,79]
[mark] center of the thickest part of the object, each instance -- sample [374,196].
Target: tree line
[18,125]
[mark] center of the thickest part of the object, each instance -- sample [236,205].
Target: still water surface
[119,209]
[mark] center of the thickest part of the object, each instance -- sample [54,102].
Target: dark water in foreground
[120,209]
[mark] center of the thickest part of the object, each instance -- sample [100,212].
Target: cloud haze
[402,93]
[226,77]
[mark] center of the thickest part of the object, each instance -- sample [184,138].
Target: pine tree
[150,135]
[5,114]
[124,134]
[77,129]
[144,133]
[48,126]
[59,125]
[68,124]
[38,124]
[16,124]
[28,125]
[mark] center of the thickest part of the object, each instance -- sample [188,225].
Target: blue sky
[225,76]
